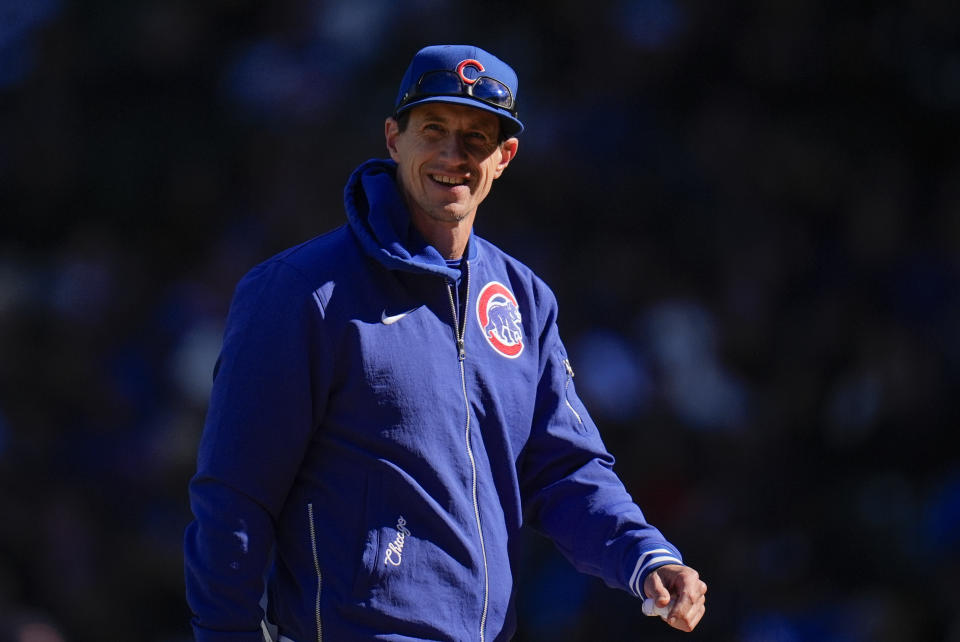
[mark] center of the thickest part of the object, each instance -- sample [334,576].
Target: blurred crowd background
[749,211]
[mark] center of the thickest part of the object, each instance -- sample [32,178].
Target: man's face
[447,159]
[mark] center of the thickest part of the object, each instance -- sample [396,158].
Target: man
[393,401]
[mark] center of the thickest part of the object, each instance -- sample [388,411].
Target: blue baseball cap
[462,75]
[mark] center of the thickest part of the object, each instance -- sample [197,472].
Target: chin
[454,214]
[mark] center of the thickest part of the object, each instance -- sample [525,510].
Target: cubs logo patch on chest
[499,318]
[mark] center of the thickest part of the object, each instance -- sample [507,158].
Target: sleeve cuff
[648,562]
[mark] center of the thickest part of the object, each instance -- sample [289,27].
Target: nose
[455,147]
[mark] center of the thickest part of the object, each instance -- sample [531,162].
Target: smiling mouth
[448,180]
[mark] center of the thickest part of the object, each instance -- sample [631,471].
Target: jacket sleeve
[570,491]
[268,394]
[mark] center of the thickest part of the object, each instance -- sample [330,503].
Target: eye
[480,143]
[477,139]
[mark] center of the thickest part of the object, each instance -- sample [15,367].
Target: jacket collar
[380,220]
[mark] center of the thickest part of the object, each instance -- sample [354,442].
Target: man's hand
[680,588]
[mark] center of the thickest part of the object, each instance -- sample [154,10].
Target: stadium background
[749,211]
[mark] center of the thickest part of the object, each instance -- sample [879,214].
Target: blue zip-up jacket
[381,425]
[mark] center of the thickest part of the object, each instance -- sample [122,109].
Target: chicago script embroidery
[394,554]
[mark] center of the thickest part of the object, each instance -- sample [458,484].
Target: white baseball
[650,608]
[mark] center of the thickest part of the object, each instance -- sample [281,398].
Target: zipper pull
[566,364]
[462,349]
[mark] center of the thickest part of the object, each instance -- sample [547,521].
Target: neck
[448,237]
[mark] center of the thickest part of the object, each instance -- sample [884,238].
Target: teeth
[449,180]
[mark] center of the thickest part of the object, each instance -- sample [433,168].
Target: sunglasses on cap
[449,83]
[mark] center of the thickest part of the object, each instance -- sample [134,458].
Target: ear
[391,129]
[508,150]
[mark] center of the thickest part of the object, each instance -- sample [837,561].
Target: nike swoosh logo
[388,320]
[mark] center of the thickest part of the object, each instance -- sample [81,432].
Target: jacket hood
[381,221]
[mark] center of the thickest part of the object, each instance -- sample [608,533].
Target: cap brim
[511,126]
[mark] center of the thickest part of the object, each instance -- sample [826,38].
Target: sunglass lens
[493,91]
[440,82]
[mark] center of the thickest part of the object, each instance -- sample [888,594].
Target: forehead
[451,114]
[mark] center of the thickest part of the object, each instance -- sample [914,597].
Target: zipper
[566,397]
[459,330]
[316,566]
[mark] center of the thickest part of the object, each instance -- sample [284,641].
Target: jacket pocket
[569,395]
[312,530]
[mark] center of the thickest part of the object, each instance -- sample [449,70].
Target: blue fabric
[349,451]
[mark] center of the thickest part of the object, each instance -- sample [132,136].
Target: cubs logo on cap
[469,62]
[500,320]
